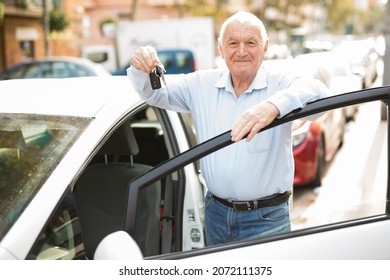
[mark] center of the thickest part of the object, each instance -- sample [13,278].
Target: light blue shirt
[243,170]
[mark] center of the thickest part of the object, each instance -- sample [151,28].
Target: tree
[2,10]
[58,21]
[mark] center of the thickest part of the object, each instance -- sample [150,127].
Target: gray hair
[244,17]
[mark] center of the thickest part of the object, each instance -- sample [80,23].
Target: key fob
[154,80]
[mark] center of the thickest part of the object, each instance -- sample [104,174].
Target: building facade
[22,35]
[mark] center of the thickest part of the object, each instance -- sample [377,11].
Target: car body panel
[339,244]
[71,96]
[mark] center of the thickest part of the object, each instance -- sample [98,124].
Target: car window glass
[183,60]
[190,131]
[98,57]
[77,70]
[345,162]
[31,146]
[167,60]
[57,69]
[27,71]
[352,174]
[61,239]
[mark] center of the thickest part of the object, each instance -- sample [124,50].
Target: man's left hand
[253,120]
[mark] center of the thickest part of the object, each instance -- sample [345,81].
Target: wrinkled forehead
[237,30]
[243,21]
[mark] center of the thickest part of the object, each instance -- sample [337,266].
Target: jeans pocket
[274,213]
[207,200]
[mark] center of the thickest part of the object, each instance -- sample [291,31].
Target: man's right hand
[145,59]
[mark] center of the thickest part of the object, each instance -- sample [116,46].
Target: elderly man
[248,182]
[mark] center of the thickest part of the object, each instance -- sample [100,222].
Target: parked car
[362,57]
[175,61]
[341,78]
[317,142]
[54,67]
[88,180]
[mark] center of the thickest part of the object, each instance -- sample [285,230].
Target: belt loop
[255,204]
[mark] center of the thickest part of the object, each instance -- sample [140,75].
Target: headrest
[10,135]
[121,142]
[147,133]
[12,139]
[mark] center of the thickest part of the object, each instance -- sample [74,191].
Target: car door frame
[223,140]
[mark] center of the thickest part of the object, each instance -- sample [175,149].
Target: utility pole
[133,11]
[46,25]
[386,58]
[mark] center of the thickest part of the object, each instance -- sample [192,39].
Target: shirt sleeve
[172,97]
[139,80]
[297,94]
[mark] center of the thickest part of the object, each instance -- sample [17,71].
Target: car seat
[101,195]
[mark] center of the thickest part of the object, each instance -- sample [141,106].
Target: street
[355,181]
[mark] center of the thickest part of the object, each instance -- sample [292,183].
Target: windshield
[31,146]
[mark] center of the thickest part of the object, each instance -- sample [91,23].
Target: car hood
[70,96]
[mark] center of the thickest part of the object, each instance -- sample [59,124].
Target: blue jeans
[224,224]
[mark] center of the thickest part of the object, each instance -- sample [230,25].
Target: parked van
[175,61]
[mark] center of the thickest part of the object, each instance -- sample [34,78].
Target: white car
[54,67]
[81,179]
[363,58]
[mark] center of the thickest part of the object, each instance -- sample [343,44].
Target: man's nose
[242,49]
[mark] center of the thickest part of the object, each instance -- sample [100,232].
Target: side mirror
[118,245]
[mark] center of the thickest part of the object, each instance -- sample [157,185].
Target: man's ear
[220,50]
[265,48]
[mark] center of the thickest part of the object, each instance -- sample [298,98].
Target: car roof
[81,96]
[92,66]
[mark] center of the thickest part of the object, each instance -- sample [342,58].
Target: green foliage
[338,13]
[23,4]
[58,20]
[2,8]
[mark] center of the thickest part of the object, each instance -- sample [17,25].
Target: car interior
[97,205]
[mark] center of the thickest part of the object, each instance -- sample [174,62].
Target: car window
[78,70]
[61,239]
[31,70]
[31,146]
[184,60]
[56,69]
[177,61]
[353,180]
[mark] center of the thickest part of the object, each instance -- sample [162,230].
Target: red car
[315,143]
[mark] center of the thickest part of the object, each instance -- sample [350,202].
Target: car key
[160,72]
[156,75]
[154,80]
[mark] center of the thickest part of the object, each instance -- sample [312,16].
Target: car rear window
[31,146]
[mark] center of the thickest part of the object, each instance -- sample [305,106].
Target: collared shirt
[243,170]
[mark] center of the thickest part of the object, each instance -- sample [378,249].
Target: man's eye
[251,44]
[232,44]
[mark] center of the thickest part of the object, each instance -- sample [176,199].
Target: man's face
[243,49]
